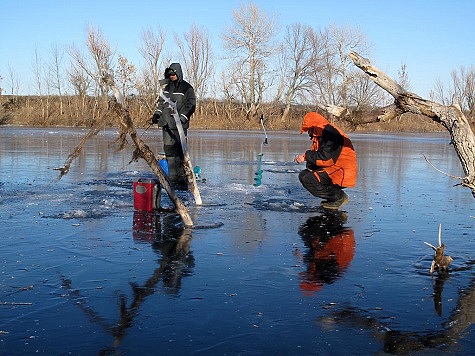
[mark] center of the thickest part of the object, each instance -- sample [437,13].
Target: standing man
[331,162]
[183,94]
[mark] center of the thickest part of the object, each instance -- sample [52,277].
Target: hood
[177,68]
[313,119]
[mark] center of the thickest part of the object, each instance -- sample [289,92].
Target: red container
[145,194]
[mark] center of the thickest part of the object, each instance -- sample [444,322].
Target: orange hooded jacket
[332,151]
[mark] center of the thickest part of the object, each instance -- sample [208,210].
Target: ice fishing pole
[149,125]
[258,178]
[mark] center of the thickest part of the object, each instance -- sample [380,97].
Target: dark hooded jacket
[183,94]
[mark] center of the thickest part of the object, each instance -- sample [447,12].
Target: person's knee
[306,177]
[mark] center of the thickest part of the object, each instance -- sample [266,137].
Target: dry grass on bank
[74,112]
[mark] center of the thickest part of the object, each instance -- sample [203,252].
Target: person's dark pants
[174,155]
[323,188]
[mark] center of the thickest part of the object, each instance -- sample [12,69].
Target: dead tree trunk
[451,117]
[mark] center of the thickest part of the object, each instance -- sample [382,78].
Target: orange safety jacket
[331,151]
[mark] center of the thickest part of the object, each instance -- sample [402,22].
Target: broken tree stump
[440,261]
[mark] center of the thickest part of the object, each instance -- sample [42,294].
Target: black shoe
[335,205]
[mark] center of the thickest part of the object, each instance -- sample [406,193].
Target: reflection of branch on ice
[402,342]
[175,259]
[175,263]
[438,285]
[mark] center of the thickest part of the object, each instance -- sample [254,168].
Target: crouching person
[331,162]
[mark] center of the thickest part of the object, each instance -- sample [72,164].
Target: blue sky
[431,37]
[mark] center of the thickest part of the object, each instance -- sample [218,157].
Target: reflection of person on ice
[330,250]
[183,94]
[331,162]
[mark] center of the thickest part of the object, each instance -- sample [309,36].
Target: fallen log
[451,117]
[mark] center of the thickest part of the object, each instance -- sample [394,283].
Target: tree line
[261,74]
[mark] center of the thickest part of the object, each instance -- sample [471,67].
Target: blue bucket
[164,164]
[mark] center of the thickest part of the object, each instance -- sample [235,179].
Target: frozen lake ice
[263,271]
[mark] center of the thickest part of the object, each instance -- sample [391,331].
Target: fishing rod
[258,178]
[149,125]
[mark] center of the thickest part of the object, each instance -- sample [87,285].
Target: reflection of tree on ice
[172,244]
[404,342]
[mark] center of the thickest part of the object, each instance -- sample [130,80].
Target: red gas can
[146,194]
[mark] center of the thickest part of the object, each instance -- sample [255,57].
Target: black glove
[155,118]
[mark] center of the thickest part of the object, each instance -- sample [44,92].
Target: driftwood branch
[438,170]
[77,150]
[142,150]
[451,117]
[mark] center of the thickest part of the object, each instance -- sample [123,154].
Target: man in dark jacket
[183,94]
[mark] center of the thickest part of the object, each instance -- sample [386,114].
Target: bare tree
[80,82]
[102,56]
[249,41]
[151,51]
[80,78]
[101,60]
[296,64]
[38,73]
[403,77]
[337,89]
[324,70]
[196,56]
[442,93]
[55,69]
[92,67]
[125,74]
[464,89]
[461,91]
[14,82]
[364,94]
[343,40]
